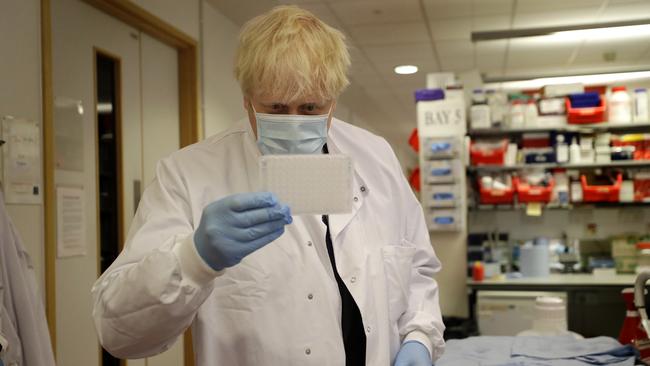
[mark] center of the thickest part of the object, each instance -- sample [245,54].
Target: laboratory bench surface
[594,303]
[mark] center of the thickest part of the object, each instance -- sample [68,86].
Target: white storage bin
[441,171]
[444,219]
[440,148]
[440,195]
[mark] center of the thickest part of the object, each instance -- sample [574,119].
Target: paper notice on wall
[21,161]
[71,233]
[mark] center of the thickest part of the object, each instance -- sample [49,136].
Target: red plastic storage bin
[608,193]
[488,153]
[586,115]
[496,196]
[527,193]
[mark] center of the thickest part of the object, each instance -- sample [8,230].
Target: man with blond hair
[257,285]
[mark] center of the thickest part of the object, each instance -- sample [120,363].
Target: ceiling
[435,36]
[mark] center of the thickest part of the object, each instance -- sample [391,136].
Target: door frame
[189,119]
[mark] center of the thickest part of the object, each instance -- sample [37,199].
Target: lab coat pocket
[398,264]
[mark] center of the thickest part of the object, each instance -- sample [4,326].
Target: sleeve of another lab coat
[152,292]
[422,321]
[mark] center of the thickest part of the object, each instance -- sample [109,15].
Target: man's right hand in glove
[237,225]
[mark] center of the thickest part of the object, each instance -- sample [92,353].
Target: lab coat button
[368,329]
[363,188]
[353,279]
[309,243]
[308,351]
[310,296]
[356,199]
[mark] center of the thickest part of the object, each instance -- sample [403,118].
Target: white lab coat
[260,311]
[24,335]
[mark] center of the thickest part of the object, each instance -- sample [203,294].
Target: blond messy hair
[289,53]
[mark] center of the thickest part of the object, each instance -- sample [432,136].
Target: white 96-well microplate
[309,184]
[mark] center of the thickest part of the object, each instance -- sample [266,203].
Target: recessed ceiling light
[406,69]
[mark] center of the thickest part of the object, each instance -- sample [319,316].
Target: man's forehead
[270,99]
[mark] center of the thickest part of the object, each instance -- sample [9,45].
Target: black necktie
[354,337]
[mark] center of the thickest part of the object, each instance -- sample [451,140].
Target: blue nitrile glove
[235,226]
[413,353]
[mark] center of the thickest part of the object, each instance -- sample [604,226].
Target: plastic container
[440,148]
[530,113]
[478,271]
[623,153]
[479,111]
[496,196]
[561,150]
[534,260]
[539,156]
[444,219]
[561,189]
[585,115]
[603,154]
[552,106]
[488,152]
[620,106]
[632,331]
[517,114]
[643,256]
[540,139]
[441,171]
[627,191]
[574,152]
[585,100]
[550,318]
[641,113]
[601,193]
[527,193]
[576,191]
[440,195]
[511,154]
[642,187]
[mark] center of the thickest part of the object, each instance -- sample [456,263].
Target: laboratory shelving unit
[582,128]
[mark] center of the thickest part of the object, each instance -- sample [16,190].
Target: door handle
[137,194]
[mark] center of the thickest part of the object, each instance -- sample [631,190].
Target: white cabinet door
[149,114]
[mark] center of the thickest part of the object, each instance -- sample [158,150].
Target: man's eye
[309,107]
[276,107]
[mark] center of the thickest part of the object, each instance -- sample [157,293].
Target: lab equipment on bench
[309,184]
[534,258]
[640,305]
[632,331]
[507,313]
[550,318]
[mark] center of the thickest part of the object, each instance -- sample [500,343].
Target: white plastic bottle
[574,152]
[620,106]
[561,150]
[641,113]
[480,111]
[530,113]
[517,114]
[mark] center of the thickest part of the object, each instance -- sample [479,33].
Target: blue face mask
[291,133]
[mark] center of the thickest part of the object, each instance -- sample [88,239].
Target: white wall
[222,98]
[20,96]
[184,14]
